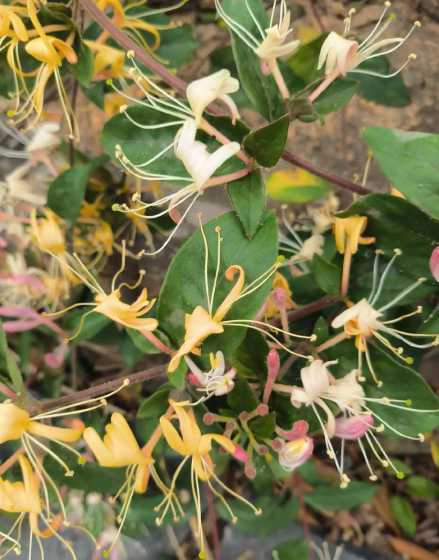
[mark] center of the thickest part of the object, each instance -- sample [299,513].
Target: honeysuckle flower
[16,423]
[108,63]
[434,264]
[200,165]
[280,300]
[43,138]
[119,448]
[199,94]
[50,52]
[365,321]
[348,233]
[269,44]
[215,382]
[23,498]
[340,55]
[218,86]
[297,447]
[321,390]
[323,215]
[110,304]
[202,323]
[323,552]
[196,447]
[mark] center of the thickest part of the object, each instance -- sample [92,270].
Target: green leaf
[143,344]
[395,223]
[333,498]
[263,426]
[140,145]
[274,516]
[155,405]
[297,549]
[304,60]
[326,274]
[296,186]
[184,287]
[11,365]
[402,382]
[95,93]
[178,377]
[421,487]
[178,45]
[267,143]
[391,92]
[410,160]
[83,69]
[335,97]
[242,398]
[248,198]
[261,90]
[403,514]
[92,324]
[66,192]
[250,357]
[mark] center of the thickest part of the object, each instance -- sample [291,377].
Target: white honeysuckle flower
[302,251]
[363,320]
[268,44]
[28,184]
[271,43]
[46,136]
[340,55]
[218,86]
[215,382]
[323,215]
[199,93]
[321,390]
[199,163]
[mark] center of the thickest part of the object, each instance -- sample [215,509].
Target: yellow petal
[173,437]
[142,479]
[188,427]
[234,293]
[14,421]
[99,450]
[199,325]
[67,435]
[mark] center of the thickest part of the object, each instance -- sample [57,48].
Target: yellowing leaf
[296,186]
[306,33]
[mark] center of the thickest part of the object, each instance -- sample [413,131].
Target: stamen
[397,253]
[411,57]
[371,35]
[403,294]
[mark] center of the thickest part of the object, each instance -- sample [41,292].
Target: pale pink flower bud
[295,453]
[273,366]
[354,427]
[240,455]
[250,471]
[209,418]
[434,264]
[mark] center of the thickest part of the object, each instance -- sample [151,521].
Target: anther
[373,477]
[412,56]
[130,54]
[387,4]
[123,108]
[400,475]
[313,338]
[417,24]
[397,252]
[69,474]
[421,437]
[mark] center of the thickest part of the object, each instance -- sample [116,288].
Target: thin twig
[180,85]
[103,388]
[310,308]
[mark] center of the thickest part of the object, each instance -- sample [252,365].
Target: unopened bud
[434,264]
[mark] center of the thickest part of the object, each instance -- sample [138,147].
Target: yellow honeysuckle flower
[110,304]
[119,448]
[192,445]
[272,305]
[23,497]
[32,431]
[49,233]
[365,320]
[202,323]
[348,233]
[108,62]
[50,52]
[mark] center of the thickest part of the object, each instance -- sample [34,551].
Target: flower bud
[295,453]
[353,428]
[434,264]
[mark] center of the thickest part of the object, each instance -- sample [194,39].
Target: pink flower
[354,427]
[434,264]
[298,448]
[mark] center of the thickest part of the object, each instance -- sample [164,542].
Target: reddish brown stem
[310,308]
[103,388]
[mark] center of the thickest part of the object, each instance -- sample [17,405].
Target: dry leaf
[412,551]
